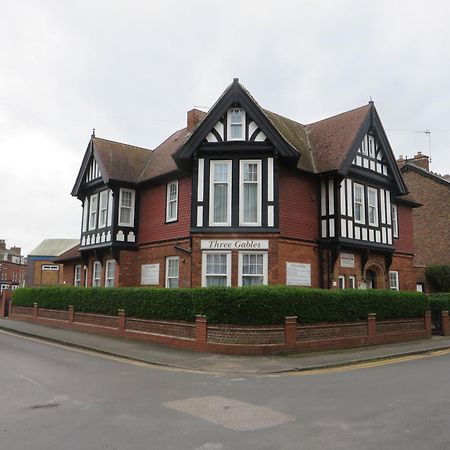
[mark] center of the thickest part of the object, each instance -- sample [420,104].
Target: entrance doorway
[371,279]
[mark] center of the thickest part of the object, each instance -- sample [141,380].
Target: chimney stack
[422,161]
[194,117]
[2,244]
[15,250]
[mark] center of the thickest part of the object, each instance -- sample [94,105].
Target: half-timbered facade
[243,196]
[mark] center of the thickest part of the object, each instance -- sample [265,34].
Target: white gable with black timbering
[92,171]
[371,156]
[236,125]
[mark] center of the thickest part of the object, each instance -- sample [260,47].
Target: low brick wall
[234,339]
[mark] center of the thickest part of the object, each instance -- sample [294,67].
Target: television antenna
[428,133]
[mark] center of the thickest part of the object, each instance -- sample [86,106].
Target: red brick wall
[431,220]
[407,273]
[152,213]
[298,205]
[156,254]
[405,241]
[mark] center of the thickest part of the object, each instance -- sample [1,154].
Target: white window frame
[103,209]
[96,273]
[394,280]
[170,259]
[258,163]
[172,201]
[204,262]
[230,124]
[394,220]
[241,275]
[93,210]
[352,282]
[77,275]
[109,280]
[211,193]
[374,206]
[341,282]
[362,203]
[121,196]
[84,224]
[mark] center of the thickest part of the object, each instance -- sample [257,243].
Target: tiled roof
[332,138]
[53,247]
[296,134]
[161,161]
[72,253]
[120,161]
[433,176]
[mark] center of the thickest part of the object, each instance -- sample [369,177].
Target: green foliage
[247,305]
[438,276]
[438,303]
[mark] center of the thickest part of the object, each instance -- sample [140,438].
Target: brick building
[12,267]
[432,220]
[244,196]
[42,268]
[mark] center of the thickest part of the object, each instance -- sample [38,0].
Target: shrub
[438,303]
[438,276]
[247,305]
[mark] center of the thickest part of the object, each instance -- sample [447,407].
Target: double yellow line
[370,364]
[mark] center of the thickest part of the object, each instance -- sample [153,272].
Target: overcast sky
[132,69]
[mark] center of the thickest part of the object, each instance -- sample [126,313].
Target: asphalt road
[52,397]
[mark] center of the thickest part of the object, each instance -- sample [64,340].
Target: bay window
[372,201]
[220,193]
[103,209]
[93,205]
[358,202]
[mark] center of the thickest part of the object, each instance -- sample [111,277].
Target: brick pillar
[70,314]
[201,329]
[372,325]
[445,328]
[290,331]
[428,322]
[2,305]
[122,320]
[35,311]
[10,306]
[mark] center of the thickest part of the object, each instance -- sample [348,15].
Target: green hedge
[255,305]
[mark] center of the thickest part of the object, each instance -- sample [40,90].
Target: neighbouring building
[432,220]
[12,267]
[243,196]
[42,270]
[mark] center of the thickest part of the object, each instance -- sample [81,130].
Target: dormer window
[236,120]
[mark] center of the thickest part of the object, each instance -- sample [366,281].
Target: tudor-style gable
[358,198]
[107,186]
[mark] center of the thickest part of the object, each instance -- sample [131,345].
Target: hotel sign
[234,244]
[348,260]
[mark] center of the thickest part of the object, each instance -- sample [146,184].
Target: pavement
[161,355]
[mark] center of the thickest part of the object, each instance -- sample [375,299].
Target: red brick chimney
[422,161]
[15,250]
[194,117]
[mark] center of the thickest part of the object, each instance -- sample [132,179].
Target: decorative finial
[93,132]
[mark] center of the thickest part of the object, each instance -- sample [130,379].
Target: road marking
[370,364]
[232,414]
[30,380]
[210,446]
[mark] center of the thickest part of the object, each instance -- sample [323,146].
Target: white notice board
[298,274]
[150,274]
